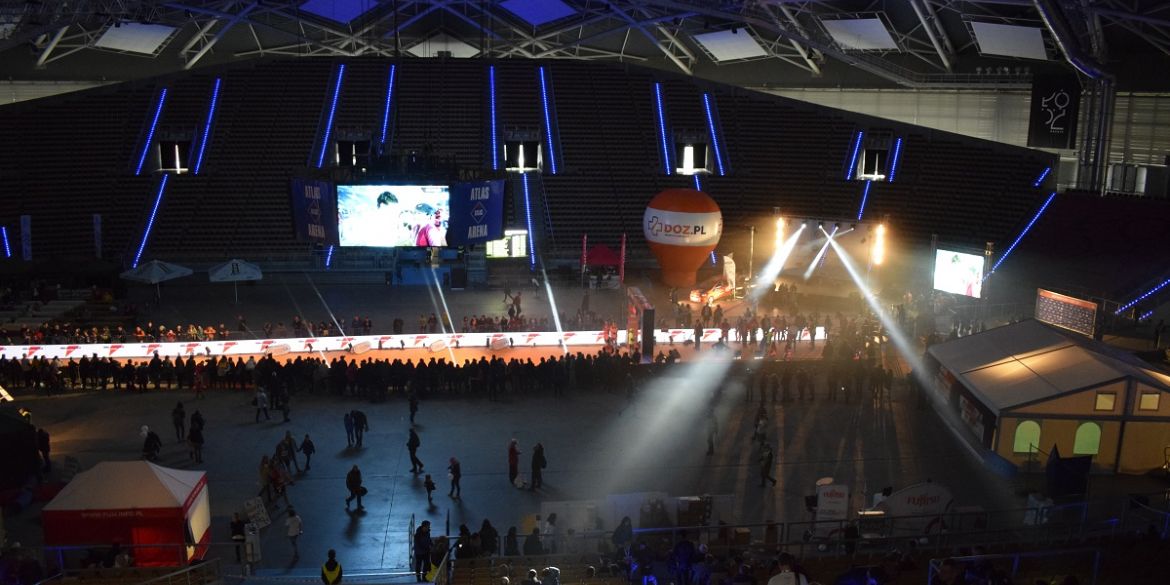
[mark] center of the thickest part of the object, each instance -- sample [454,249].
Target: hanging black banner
[1052,120]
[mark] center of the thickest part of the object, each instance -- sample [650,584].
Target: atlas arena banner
[434,342]
[1052,115]
[314,206]
[680,228]
[477,213]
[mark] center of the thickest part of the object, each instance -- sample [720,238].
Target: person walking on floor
[353,482]
[429,484]
[513,461]
[360,426]
[195,440]
[766,459]
[43,446]
[412,445]
[422,551]
[413,406]
[296,527]
[538,465]
[179,418]
[237,530]
[261,404]
[454,473]
[348,419]
[308,448]
[331,570]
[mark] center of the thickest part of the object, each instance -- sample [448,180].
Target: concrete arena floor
[597,443]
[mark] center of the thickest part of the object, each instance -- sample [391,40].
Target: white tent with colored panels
[1023,388]
[160,515]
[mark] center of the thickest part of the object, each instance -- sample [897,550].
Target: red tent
[136,504]
[602,256]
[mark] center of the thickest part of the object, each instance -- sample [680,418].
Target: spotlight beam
[445,315]
[776,264]
[901,342]
[821,254]
[552,302]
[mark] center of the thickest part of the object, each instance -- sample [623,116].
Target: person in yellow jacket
[331,570]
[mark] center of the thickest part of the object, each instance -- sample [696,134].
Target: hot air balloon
[682,227]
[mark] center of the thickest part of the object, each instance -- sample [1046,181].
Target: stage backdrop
[477,213]
[314,206]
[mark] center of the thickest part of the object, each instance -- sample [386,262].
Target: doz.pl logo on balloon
[682,226]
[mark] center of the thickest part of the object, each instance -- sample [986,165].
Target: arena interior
[689,291]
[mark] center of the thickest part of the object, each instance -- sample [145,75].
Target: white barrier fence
[359,344]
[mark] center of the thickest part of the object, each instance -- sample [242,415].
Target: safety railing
[1089,557]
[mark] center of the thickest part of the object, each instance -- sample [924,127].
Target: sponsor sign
[832,508]
[1052,121]
[477,213]
[681,228]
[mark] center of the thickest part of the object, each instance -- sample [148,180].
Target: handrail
[212,565]
[934,564]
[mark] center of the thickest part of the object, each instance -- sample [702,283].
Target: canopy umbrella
[234,271]
[156,271]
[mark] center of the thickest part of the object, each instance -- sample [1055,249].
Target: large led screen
[386,216]
[958,273]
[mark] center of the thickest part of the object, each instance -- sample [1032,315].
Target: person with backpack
[353,482]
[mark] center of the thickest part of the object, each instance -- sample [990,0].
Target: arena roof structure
[751,43]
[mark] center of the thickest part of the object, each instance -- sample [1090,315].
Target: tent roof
[126,485]
[601,255]
[1031,361]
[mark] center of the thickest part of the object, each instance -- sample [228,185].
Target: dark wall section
[67,157]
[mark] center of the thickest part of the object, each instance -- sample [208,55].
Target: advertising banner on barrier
[435,342]
[314,206]
[477,213]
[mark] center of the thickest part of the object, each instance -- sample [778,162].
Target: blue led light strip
[1023,233]
[207,125]
[7,250]
[389,96]
[492,113]
[698,185]
[162,98]
[162,188]
[548,129]
[1043,175]
[666,168]
[713,260]
[329,256]
[1143,297]
[329,120]
[714,136]
[853,157]
[528,220]
[894,160]
[864,197]
[1146,315]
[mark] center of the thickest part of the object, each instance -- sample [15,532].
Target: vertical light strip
[492,113]
[864,197]
[1140,298]
[332,111]
[666,167]
[528,221]
[1023,233]
[329,256]
[853,157]
[548,129]
[158,108]
[714,135]
[162,188]
[389,97]
[7,249]
[207,125]
[1043,175]
[895,159]
[698,185]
